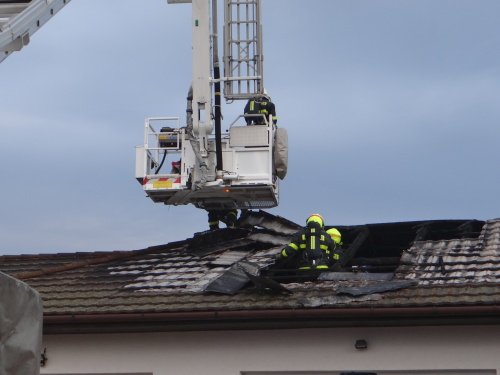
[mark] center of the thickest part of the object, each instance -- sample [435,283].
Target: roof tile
[174,277]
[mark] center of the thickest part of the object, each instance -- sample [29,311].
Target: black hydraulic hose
[217,91]
[162,161]
[217,113]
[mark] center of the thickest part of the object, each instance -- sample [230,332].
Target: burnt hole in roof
[377,248]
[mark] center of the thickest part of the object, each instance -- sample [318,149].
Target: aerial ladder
[237,169]
[19,19]
[194,163]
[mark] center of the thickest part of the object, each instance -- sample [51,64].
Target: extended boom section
[197,164]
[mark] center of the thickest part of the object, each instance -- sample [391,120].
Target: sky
[392,109]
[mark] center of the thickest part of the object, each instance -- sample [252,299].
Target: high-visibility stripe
[294,246]
[317,267]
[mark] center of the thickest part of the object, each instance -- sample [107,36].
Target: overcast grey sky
[391,106]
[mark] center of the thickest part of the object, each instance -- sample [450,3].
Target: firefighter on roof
[313,248]
[335,235]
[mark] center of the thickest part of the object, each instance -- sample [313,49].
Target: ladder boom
[21,19]
[243,57]
[239,169]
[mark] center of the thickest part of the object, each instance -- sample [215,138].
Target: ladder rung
[243,2]
[238,22]
[234,41]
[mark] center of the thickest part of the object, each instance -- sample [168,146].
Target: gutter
[272,319]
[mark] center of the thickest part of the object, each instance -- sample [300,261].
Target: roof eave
[272,319]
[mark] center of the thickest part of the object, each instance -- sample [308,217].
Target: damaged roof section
[259,238]
[378,247]
[393,265]
[456,260]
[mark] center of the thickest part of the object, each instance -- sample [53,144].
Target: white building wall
[301,350]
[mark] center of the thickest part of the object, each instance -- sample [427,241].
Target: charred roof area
[392,265]
[377,248]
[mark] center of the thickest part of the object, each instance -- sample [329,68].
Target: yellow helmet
[316,218]
[335,235]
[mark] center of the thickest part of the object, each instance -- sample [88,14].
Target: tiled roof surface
[456,261]
[182,276]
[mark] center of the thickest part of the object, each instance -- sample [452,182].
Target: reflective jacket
[313,248]
[260,107]
[268,108]
[253,108]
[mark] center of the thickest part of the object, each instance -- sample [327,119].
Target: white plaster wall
[304,350]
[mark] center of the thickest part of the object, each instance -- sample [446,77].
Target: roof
[444,270]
